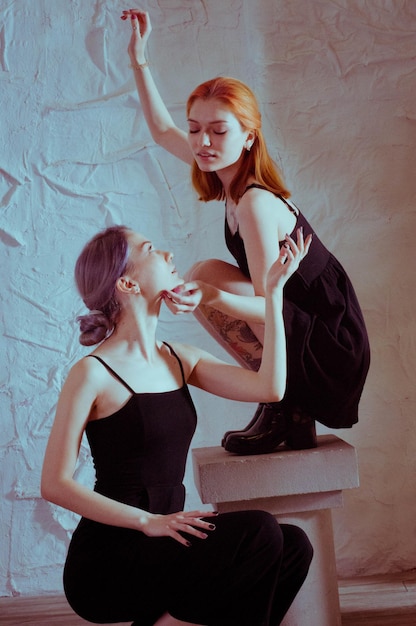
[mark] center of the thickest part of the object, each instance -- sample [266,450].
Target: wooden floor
[373,601]
[379,600]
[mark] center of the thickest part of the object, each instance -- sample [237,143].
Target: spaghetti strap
[178,359]
[292,207]
[123,382]
[110,369]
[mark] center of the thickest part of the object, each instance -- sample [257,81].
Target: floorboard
[370,601]
[379,600]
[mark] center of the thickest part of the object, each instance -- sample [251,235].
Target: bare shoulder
[260,202]
[87,372]
[190,356]
[263,212]
[257,208]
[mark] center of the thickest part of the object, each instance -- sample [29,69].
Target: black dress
[327,341]
[246,573]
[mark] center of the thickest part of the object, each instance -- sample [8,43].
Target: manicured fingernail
[212,526]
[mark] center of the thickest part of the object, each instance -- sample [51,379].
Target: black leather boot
[273,427]
[302,433]
[247,428]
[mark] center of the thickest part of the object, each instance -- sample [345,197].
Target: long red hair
[257,162]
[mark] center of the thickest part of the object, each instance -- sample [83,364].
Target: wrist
[276,299]
[143,518]
[135,65]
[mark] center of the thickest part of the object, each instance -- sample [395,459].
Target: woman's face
[153,269]
[215,135]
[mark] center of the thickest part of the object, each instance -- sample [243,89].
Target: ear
[127,285]
[251,137]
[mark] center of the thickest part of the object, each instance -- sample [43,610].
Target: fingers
[191,524]
[134,12]
[140,22]
[184,299]
[301,247]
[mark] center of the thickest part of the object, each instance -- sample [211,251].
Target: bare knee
[205,270]
[221,274]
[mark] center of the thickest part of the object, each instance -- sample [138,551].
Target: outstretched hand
[184,298]
[141,29]
[189,522]
[290,256]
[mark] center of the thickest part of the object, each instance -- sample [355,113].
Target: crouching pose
[328,351]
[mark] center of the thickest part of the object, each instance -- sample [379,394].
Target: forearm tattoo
[240,340]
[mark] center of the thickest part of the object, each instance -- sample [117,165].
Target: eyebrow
[213,122]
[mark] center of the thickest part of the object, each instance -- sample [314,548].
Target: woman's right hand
[189,522]
[141,29]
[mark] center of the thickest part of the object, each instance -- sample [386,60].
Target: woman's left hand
[184,298]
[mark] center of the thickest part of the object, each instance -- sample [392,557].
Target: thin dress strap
[123,382]
[110,369]
[292,207]
[178,359]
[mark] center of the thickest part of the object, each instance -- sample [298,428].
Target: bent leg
[242,341]
[296,560]
[229,579]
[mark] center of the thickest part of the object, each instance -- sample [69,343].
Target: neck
[135,333]
[226,176]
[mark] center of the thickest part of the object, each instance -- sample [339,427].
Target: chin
[179,282]
[207,167]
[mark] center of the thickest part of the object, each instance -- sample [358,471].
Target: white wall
[335,79]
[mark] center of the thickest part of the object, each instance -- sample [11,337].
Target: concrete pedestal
[299,487]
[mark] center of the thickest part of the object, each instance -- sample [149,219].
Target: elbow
[277,393]
[46,491]
[50,490]
[159,135]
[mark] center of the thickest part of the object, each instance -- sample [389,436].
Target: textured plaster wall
[336,82]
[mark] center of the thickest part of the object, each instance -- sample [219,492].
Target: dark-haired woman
[137,554]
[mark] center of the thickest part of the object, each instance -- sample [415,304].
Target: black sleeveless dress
[327,341]
[246,573]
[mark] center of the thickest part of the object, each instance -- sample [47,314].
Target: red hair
[257,162]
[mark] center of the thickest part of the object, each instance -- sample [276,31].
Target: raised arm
[58,485]
[160,123]
[269,383]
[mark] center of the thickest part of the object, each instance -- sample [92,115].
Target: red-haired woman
[328,349]
[136,554]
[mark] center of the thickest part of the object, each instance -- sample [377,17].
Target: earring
[137,289]
[248,147]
